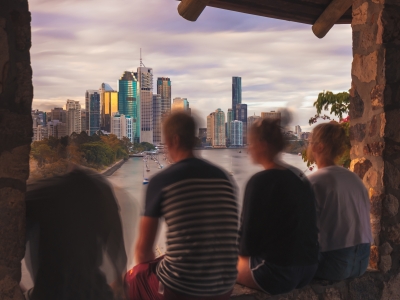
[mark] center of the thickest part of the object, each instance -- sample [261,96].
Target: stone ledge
[370,286]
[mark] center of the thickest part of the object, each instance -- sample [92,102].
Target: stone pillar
[375,121]
[16,94]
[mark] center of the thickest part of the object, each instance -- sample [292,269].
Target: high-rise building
[59,114]
[118,125]
[38,118]
[83,120]
[145,77]
[56,129]
[109,105]
[241,115]
[157,119]
[236,94]
[164,90]
[92,107]
[229,119]
[236,133]
[272,115]
[73,109]
[40,133]
[129,101]
[251,120]
[181,104]
[297,131]
[216,129]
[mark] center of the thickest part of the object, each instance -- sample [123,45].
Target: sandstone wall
[16,94]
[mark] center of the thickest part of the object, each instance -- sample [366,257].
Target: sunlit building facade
[92,106]
[164,90]
[181,104]
[236,94]
[129,101]
[216,129]
[109,105]
[236,134]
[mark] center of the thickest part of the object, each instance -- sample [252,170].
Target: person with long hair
[278,248]
[343,208]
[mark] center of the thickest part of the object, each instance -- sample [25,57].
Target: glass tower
[236,94]
[236,133]
[129,101]
[92,103]
[229,119]
[241,115]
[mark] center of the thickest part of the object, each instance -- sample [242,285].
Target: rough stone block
[4,55]
[392,289]
[356,106]
[376,205]
[360,14]
[374,258]
[391,205]
[385,263]
[385,249]
[18,168]
[332,294]
[377,96]
[361,167]
[365,288]
[374,149]
[393,234]
[392,176]
[365,67]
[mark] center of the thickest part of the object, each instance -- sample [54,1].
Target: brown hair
[269,131]
[332,136]
[182,125]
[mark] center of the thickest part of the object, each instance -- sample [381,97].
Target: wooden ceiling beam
[335,10]
[192,9]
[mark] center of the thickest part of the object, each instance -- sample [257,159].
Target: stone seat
[367,287]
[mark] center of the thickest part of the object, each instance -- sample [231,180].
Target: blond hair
[332,136]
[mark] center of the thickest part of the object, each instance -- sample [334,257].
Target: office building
[229,119]
[216,129]
[83,120]
[251,120]
[236,134]
[118,125]
[59,114]
[56,129]
[92,107]
[241,115]
[297,131]
[157,119]
[73,109]
[181,104]
[272,115]
[236,94]
[40,132]
[109,105]
[38,118]
[164,90]
[145,78]
[129,101]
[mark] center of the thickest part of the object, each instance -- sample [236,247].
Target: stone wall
[16,94]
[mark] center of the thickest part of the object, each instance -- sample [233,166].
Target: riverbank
[110,170]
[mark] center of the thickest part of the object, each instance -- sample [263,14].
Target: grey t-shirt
[343,208]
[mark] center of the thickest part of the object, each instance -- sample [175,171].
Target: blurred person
[197,201]
[71,220]
[278,248]
[343,208]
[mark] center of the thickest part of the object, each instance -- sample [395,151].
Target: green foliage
[337,105]
[98,153]
[143,146]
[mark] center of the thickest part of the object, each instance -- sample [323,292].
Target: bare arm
[147,234]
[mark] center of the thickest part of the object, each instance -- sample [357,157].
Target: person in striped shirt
[198,203]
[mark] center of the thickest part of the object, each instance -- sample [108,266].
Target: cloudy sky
[78,44]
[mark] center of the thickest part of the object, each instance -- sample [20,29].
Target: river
[128,186]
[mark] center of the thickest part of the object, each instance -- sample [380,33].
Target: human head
[327,143]
[179,131]
[266,140]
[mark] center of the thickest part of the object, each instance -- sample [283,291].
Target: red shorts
[141,283]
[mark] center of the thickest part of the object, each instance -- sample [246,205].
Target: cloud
[77,45]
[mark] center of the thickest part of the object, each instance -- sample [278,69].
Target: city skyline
[284,70]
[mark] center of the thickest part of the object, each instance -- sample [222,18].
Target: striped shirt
[198,203]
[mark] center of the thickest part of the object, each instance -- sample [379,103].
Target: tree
[337,105]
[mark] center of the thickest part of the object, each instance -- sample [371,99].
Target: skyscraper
[216,129]
[181,104]
[236,134]
[241,115]
[210,128]
[229,119]
[236,94]
[73,109]
[164,90]
[157,119]
[83,120]
[92,103]
[251,120]
[145,78]
[59,114]
[272,115]
[129,101]
[109,105]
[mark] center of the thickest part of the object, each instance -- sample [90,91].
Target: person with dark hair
[343,208]
[278,248]
[198,203]
[71,220]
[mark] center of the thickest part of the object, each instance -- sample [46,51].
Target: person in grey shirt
[343,208]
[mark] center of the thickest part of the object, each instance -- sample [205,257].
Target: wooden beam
[192,9]
[330,16]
